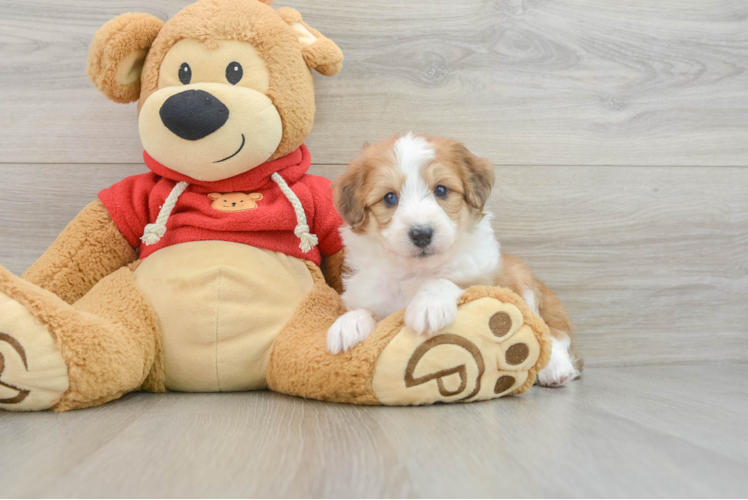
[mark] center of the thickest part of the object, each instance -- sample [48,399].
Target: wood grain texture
[521,81]
[650,262]
[597,100]
[598,437]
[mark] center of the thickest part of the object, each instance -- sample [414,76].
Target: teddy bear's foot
[494,348]
[33,374]
[66,357]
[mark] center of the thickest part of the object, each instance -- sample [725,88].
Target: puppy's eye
[185,74]
[441,191]
[234,73]
[390,199]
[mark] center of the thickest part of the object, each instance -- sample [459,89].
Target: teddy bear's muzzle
[193,114]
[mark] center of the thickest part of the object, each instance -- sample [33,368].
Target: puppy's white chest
[409,288]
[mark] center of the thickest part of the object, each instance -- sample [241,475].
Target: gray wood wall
[619,131]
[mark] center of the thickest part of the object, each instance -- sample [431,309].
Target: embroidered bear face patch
[234,202]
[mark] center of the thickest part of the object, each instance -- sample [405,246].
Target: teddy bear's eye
[234,73]
[185,74]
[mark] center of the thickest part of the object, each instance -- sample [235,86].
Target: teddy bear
[220,269]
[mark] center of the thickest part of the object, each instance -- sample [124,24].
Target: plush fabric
[30,358]
[291,86]
[320,53]
[88,249]
[492,349]
[113,44]
[474,359]
[300,364]
[136,201]
[107,339]
[246,140]
[530,319]
[220,307]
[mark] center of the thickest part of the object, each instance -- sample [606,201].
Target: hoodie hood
[291,168]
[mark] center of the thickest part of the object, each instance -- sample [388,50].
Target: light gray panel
[602,82]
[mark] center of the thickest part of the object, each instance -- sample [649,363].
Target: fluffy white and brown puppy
[418,235]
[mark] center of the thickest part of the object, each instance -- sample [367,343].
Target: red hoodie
[268,221]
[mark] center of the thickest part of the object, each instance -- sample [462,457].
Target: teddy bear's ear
[319,52]
[214,196]
[117,54]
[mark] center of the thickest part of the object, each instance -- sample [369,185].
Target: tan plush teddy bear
[211,272]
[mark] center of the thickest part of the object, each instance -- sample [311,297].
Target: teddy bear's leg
[495,348]
[61,356]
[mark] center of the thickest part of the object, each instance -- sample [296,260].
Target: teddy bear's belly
[220,305]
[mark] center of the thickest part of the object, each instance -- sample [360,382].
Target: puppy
[417,236]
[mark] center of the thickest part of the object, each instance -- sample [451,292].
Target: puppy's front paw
[429,313]
[349,330]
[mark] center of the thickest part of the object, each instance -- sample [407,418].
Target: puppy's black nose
[193,114]
[421,236]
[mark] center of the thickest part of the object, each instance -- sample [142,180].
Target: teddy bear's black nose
[193,114]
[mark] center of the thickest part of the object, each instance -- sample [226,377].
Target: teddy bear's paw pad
[486,353]
[33,375]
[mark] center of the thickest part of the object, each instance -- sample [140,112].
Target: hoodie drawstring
[302,231]
[154,232]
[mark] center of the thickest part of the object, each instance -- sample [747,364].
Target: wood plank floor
[617,432]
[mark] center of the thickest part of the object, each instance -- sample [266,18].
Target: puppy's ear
[319,52]
[348,195]
[480,177]
[117,54]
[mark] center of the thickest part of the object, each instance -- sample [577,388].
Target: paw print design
[234,202]
[491,350]
[33,374]
[21,394]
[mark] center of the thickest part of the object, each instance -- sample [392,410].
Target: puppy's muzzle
[193,114]
[421,236]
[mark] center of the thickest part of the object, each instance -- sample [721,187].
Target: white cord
[154,232]
[308,240]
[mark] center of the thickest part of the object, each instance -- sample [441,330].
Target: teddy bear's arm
[333,267]
[88,249]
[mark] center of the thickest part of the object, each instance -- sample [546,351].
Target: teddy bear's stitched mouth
[244,140]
